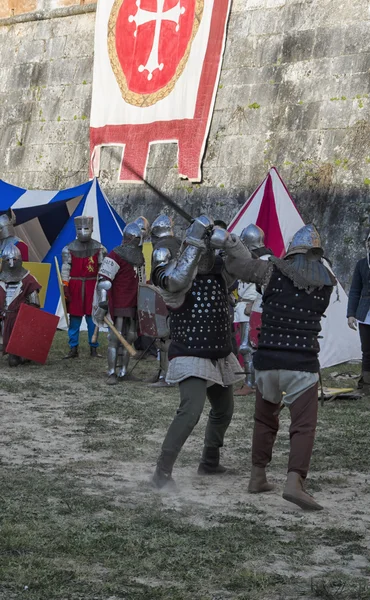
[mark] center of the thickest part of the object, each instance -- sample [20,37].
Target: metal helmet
[11,263]
[131,235]
[253,237]
[144,227]
[162,227]
[7,221]
[131,248]
[305,239]
[84,228]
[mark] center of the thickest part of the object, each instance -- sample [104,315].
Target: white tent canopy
[272,208]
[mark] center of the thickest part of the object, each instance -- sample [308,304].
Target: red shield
[32,334]
[149,44]
[152,312]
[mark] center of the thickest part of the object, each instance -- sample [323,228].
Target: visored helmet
[84,228]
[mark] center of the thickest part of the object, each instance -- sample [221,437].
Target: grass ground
[80,521]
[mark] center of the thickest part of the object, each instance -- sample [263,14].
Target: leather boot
[13,360]
[210,462]
[162,478]
[163,474]
[73,353]
[294,492]
[112,379]
[258,483]
[94,352]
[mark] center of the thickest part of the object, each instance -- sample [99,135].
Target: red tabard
[82,284]
[123,293]
[29,285]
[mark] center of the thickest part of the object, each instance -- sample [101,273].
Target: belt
[83,279]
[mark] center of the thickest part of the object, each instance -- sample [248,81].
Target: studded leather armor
[290,325]
[201,326]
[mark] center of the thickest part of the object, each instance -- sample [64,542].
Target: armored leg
[160,378]
[246,351]
[163,357]
[112,352]
[128,331]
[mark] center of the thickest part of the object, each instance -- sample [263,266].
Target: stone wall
[293,93]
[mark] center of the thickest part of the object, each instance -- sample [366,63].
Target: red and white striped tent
[272,208]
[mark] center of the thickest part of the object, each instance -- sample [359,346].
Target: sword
[166,199]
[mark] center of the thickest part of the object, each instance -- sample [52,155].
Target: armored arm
[176,275]
[66,265]
[239,263]
[100,310]
[34,299]
[102,254]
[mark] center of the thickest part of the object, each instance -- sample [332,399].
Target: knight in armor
[358,312]
[248,309]
[144,227]
[117,290]
[81,261]
[8,237]
[163,239]
[17,286]
[195,288]
[296,294]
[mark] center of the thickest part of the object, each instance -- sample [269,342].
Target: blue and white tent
[44,220]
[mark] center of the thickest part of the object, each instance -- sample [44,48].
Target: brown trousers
[303,414]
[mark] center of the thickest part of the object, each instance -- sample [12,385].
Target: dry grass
[80,521]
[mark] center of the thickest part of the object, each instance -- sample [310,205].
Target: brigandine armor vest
[201,326]
[290,325]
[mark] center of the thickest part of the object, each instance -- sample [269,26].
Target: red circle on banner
[152,37]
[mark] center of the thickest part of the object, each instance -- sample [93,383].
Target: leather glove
[352,323]
[198,231]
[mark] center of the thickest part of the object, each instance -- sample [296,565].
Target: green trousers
[193,394]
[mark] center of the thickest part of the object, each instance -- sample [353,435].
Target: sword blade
[166,199]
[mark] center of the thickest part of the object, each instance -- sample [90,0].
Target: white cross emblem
[145,16]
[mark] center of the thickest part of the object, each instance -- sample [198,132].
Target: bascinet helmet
[7,221]
[253,237]
[144,227]
[306,239]
[11,264]
[131,244]
[162,227]
[84,228]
